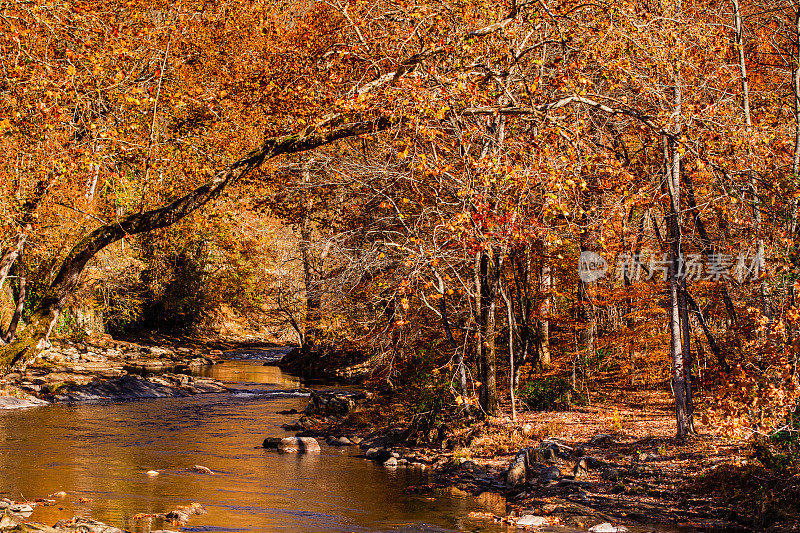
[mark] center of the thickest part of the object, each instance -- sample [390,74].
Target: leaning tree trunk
[43,317]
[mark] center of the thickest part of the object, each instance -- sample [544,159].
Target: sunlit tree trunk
[546,284]
[679,317]
[311,274]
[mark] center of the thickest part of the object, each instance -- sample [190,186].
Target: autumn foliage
[440,167]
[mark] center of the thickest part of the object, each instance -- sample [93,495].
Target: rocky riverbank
[579,478]
[104,369]
[14,514]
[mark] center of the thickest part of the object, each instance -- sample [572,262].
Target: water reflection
[102,453]
[248,372]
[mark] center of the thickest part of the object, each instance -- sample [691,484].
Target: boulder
[549,474]
[379,455]
[517,473]
[340,441]
[601,440]
[272,442]
[86,525]
[611,474]
[530,520]
[581,469]
[332,403]
[299,445]
[20,508]
[390,462]
[547,453]
[607,527]
[11,402]
[200,469]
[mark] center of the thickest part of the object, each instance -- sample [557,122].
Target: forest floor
[638,474]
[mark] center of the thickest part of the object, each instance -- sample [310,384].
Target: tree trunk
[311,274]
[490,272]
[511,370]
[544,324]
[679,325]
[21,295]
[11,256]
[481,266]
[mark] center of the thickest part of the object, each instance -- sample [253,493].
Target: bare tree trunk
[311,274]
[544,324]
[481,267]
[511,371]
[709,251]
[459,353]
[491,266]
[739,37]
[679,325]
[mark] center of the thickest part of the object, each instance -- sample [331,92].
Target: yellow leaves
[71,70]
[404,303]
[5,126]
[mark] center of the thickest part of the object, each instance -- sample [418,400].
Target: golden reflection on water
[102,452]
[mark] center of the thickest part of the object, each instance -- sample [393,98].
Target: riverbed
[99,454]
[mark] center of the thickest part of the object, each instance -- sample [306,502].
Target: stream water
[101,452]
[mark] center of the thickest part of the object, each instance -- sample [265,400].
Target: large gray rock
[581,469]
[299,445]
[10,402]
[379,455]
[272,442]
[200,469]
[607,527]
[529,520]
[86,525]
[549,474]
[517,473]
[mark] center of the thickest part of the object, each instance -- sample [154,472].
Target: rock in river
[607,527]
[293,444]
[200,469]
[530,520]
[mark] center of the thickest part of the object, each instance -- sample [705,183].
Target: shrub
[781,450]
[549,393]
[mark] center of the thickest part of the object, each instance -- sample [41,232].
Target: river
[99,455]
